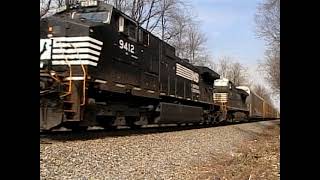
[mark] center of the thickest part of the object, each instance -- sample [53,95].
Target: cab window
[144,37]
[128,28]
[100,17]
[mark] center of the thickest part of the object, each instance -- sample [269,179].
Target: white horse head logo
[45,49]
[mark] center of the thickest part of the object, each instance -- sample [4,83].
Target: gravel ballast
[243,151]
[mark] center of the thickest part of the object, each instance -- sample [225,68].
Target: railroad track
[125,131]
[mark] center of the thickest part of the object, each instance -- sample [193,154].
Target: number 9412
[127,46]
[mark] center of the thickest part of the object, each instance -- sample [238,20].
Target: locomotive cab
[244,92]
[70,46]
[91,54]
[222,85]
[232,99]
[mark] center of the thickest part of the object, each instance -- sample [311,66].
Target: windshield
[221,83]
[101,17]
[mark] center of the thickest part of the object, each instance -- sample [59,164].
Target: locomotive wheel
[108,125]
[106,122]
[80,129]
[220,118]
[131,122]
[133,126]
[196,124]
[77,128]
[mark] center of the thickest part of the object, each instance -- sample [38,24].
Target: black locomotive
[99,68]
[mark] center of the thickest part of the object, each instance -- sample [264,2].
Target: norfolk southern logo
[45,48]
[70,50]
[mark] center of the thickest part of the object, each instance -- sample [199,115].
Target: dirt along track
[241,151]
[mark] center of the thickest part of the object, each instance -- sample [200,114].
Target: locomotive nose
[64,29]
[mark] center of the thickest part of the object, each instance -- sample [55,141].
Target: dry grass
[257,158]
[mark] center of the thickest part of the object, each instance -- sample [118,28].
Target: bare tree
[151,13]
[271,69]
[232,70]
[180,28]
[238,74]
[156,16]
[51,6]
[223,66]
[268,28]
[168,9]
[44,7]
[119,4]
[268,21]
[204,59]
[61,3]
[181,22]
[142,11]
[195,42]
[262,91]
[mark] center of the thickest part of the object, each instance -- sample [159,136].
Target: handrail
[84,78]
[84,85]
[70,75]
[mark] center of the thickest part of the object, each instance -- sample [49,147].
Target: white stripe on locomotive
[75,78]
[75,51]
[59,44]
[74,56]
[84,38]
[74,62]
[186,73]
[220,97]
